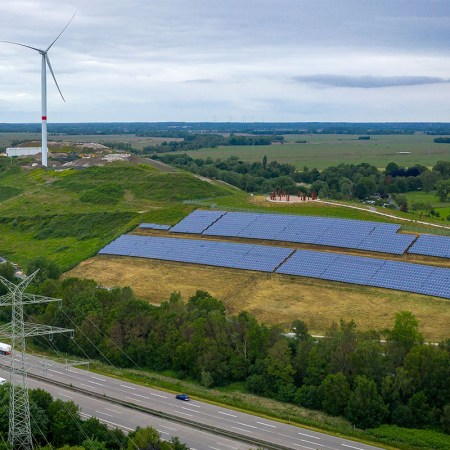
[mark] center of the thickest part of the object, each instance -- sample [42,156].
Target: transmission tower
[19,435]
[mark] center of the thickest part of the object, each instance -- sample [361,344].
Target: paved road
[276,433]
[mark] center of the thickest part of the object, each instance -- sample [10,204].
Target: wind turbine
[45,63]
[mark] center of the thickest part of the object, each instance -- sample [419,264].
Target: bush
[46,268]
[412,438]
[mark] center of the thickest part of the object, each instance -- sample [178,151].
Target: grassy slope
[41,212]
[47,218]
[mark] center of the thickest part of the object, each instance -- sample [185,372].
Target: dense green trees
[342,182]
[348,372]
[58,424]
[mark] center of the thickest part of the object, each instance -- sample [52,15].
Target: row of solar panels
[431,245]
[154,226]
[223,254]
[382,273]
[344,233]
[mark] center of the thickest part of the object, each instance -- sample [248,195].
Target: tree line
[348,373]
[341,182]
[58,424]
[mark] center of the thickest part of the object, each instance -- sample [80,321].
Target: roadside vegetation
[59,424]
[69,215]
[349,373]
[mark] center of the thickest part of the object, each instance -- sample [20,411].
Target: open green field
[443,208]
[322,151]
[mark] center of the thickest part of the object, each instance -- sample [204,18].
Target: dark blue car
[184,397]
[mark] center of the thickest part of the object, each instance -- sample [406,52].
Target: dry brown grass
[274,299]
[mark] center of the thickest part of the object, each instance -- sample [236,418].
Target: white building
[23,151]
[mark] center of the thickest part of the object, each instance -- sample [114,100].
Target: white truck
[5,349]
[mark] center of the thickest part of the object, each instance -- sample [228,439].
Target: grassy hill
[69,215]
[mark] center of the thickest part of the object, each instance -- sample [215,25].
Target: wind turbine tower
[44,64]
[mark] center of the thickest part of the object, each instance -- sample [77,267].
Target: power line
[19,432]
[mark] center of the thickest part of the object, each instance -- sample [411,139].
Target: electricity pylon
[19,435]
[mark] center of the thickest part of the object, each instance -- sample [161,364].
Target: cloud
[368,81]
[200,81]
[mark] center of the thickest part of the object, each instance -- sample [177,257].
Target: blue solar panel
[197,221]
[154,226]
[344,233]
[375,272]
[222,254]
[431,245]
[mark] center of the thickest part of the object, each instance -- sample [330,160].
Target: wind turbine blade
[23,45]
[57,37]
[53,75]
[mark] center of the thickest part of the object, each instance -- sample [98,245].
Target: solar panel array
[154,226]
[430,245]
[197,221]
[223,254]
[382,273]
[345,233]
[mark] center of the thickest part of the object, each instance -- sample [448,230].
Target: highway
[58,379]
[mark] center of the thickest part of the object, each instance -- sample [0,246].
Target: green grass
[8,192]
[443,208]
[68,216]
[322,151]
[412,438]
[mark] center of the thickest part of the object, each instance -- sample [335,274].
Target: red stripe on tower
[44,117]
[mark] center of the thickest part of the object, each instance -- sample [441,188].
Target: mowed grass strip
[274,299]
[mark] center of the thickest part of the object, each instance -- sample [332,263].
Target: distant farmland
[136,142]
[325,150]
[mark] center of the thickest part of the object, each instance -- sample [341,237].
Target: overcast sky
[216,60]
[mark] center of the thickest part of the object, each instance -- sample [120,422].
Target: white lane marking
[94,382]
[226,414]
[142,396]
[309,435]
[266,424]
[128,387]
[193,410]
[63,395]
[113,410]
[85,385]
[225,445]
[134,399]
[181,412]
[213,448]
[245,425]
[351,446]
[117,425]
[195,406]
[240,429]
[163,432]
[163,426]
[97,378]
[105,414]
[303,446]
[157,395]
[314,443]
[53,370]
